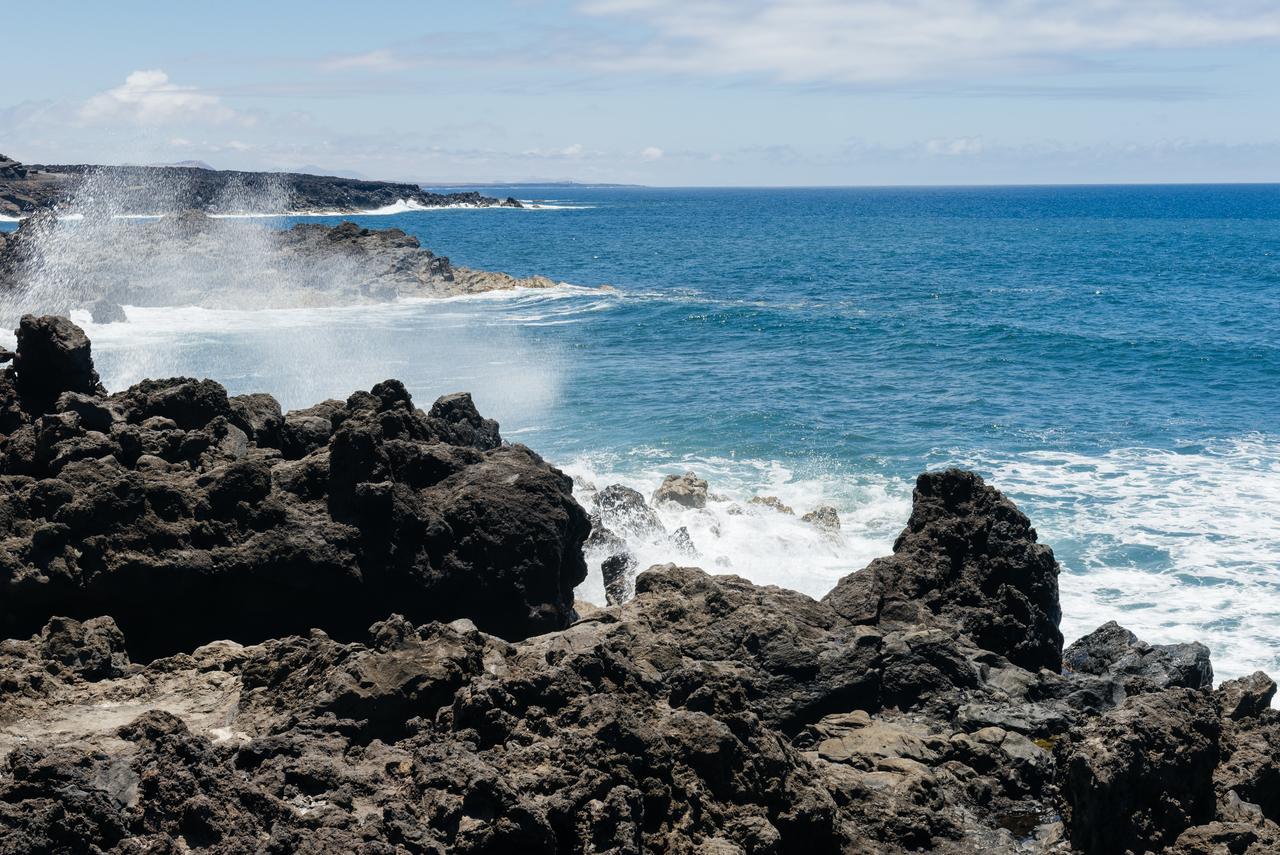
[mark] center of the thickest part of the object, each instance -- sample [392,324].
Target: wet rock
[969,559]
[687,491]
[683,542]
[1140,775]
[825,518]
[104,311]
[619,572]
[623,511]
[1131,665]
[773,503]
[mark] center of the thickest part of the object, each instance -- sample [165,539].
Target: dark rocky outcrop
[925,705]
[170,493]
[164,189]
[192,259]
[1140,775]
[969,560]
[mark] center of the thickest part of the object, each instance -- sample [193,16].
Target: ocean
[1107,356]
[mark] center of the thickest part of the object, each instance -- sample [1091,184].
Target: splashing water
[96,249]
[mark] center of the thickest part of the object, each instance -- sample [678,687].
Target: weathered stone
[687,491]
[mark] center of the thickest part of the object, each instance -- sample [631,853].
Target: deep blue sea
[1109,356]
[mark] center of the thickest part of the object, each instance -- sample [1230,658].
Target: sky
[658,92]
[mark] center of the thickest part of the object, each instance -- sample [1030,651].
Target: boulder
[825,518]
[623,511]
[687,491]
[969,559]
[1139,776]
[1247,697]
[104,311]
[619,572]
[53,356]
[1132,666]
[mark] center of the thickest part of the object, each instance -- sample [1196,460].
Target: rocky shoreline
[192,259]
[27,189]
[351,628]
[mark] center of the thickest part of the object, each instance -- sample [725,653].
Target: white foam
[759,543]
[1177,545]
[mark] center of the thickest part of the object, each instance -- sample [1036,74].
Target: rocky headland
[351,628]
[192,259]
[26,189]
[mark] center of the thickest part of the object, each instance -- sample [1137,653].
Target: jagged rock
[1228,838]
[259,416]
[1247,697]
[683,542]
[53,356]
[619,572]
[93,650]
[389,507]
[773,503]
[623,511]
[687,491]
[1132,666]
[969,558]
[1139,776]
[825,518]
[1250,768]
[907,711]
[191,259]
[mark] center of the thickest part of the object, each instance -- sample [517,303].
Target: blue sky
[664,92]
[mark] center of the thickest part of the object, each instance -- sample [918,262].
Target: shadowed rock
[919,707]
[170,493]
[968,558]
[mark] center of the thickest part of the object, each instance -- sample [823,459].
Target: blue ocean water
[1109,356]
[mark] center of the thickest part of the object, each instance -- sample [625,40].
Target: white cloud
[651,153]
[870,41]
[956,146]
[149,98]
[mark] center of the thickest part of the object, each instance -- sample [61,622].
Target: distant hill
[25,189]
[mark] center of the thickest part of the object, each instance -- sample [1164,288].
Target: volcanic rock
[140,503]
[825,518]
[968,559]
[234,549]
[1140,775]
[687,490]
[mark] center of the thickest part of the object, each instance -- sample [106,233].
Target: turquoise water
[1107,355]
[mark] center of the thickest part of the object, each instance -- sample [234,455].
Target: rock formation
[926,704]
[169,493]
[166,189]
[192,259]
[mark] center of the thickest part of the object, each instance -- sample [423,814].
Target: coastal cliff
[351,628]
[25,189]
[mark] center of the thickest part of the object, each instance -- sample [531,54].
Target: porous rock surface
[703,714]
[143,503]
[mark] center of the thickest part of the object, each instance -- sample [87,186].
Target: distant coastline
[156,190]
